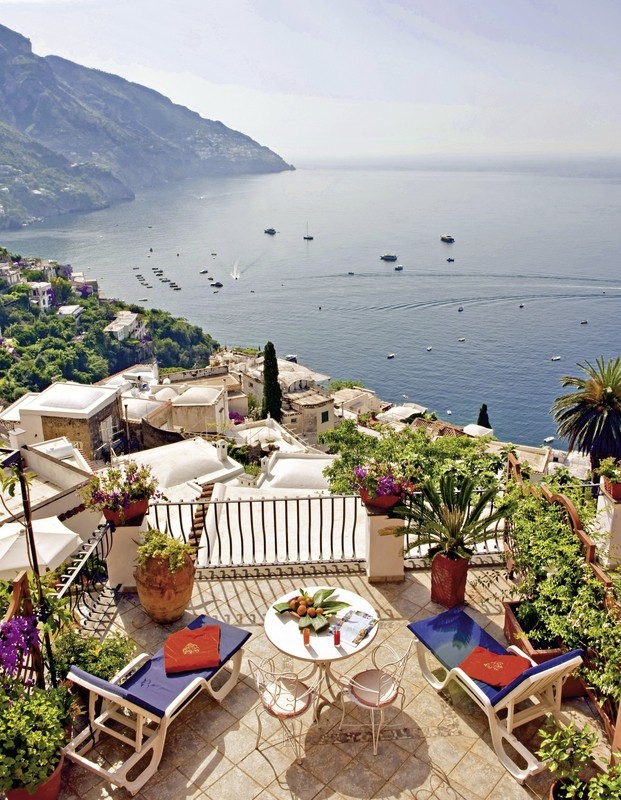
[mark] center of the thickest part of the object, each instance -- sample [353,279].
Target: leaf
[305,622]
[332,606]
[320,596]
[320,623]
[281,607]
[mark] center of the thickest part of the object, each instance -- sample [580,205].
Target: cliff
[78,139]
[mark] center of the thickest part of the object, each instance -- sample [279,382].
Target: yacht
[271,231]
[555,358]
[390,355]
[204,271]
[461,308]
[399,268]
[447,238]
[548,439]
[462,339]
[388,257]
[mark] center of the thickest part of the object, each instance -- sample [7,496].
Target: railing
[83,584]
[323,529]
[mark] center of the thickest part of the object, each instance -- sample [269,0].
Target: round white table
[283,632]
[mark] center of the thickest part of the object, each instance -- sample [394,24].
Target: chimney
[221,450]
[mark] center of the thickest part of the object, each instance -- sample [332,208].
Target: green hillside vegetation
[37,348]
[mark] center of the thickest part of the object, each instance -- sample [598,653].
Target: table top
[283,632]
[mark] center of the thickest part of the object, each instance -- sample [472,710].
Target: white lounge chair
[141,701]
[450,637]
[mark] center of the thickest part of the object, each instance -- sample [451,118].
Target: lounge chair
[450,637]
[141,701]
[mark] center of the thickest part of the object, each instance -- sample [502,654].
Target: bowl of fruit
[312,611]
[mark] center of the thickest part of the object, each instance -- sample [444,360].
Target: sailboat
[308,237]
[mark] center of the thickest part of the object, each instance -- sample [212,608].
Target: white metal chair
[375,689]
[283,696]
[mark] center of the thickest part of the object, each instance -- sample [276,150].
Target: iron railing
[83,584]
[323,529]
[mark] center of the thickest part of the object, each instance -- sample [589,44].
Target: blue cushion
[453,635]
[152,689]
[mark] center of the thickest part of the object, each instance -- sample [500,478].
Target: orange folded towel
[493,668]
[188,650]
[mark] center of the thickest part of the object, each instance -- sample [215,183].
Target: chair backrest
[386,659]
[281,692]
[538,678]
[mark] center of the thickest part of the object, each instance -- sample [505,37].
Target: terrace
[441,746]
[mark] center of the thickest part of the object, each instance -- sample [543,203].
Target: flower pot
[134,510]
[164,595]
[48,790]
[515,634]
[613,489]
[383,502]
[448,580]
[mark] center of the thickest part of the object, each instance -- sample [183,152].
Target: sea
[529,289]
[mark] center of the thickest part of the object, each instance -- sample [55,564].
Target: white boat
[399,268]
[447,238]
[555,358]
[204,271]
[429,348]
[461,308]
[390,355]
[548,439]
[462,339]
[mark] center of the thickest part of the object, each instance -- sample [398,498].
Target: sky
[361,79]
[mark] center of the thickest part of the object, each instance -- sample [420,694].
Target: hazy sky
[358,78]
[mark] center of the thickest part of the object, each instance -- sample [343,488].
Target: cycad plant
[453,517]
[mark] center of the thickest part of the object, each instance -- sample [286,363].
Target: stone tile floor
[440,748]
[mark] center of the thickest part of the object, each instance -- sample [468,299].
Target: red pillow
[493,668]
[192,649]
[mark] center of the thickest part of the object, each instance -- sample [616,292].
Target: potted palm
[450,518]
[34,722]
[164,575]
[122,493]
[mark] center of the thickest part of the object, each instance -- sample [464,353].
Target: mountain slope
[76,139]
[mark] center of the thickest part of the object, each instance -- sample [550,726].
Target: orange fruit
[302,610]
[311,612]
[319,610]
[293,604]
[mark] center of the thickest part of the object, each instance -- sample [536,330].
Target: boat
[462,339]
[555,358]
[584,322]
[308,237]
[548,439]
[350,273]
[429,348]
[204,271]
[461,308]
[399,268]
[271,231]
[217,284]
[388,257]
[390,355]
[521,305]
[450,260]
[293,357]
[143,299]
[447,238]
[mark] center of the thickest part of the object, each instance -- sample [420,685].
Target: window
[325,416]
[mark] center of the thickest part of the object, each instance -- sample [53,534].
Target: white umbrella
[53,540]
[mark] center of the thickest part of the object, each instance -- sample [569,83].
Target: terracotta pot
[48,790]
[448,580]
[130,514]
[383,502]
[515,634]
[613,489]
[164,595]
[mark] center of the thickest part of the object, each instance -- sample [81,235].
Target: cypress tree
[272,396]
[483,419]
